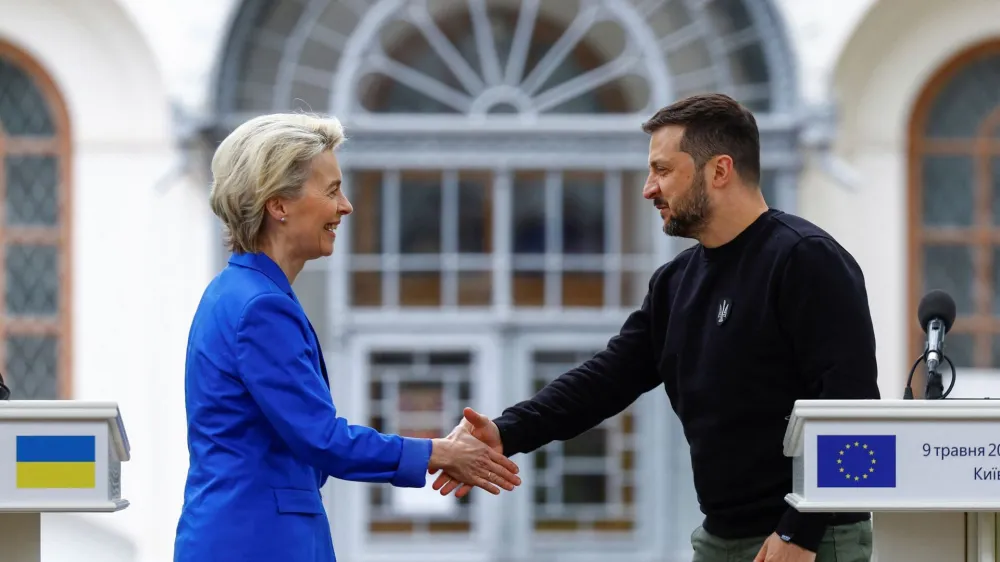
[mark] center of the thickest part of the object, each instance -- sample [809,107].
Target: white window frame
[487,510]
[645,542]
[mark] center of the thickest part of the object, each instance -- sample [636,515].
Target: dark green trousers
[841,543]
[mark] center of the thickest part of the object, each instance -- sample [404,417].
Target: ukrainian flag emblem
[56,461]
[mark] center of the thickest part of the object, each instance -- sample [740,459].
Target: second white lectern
[928,471]
[56,456]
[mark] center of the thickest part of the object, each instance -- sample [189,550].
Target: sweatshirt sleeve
[823,307]
[586,395]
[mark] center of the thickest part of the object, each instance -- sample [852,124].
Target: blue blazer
[263,432]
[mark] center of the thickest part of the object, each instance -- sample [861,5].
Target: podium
[927,470]
[56,456]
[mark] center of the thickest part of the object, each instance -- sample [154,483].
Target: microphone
[936,314]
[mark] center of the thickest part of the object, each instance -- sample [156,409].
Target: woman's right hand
[473,462]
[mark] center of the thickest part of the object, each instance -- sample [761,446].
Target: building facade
[496,164]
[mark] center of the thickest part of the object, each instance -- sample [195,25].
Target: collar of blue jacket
[264,264]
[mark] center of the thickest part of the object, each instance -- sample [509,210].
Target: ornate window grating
[34,230]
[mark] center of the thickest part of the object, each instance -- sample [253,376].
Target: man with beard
[766,309]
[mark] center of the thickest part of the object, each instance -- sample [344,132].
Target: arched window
[496,165]
[955,203]
[34,231]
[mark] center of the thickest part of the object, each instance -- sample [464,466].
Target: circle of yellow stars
[862,476]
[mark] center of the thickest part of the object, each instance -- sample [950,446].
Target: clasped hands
[472,456]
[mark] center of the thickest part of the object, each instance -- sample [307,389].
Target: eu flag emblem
[856,461]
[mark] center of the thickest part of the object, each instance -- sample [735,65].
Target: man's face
[675,186]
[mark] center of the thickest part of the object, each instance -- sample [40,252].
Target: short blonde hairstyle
[268,156]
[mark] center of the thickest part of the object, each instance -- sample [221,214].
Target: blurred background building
[496,165]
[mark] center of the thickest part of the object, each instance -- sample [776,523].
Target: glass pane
[728,16]
[32,370]
[475,288]
[669,18]
[960,349]
[748,66]
[582,289]
[691,57]
[584,488]
[950,269]
[475,213]
[592,443]
[583,213]
[420,288]
[365,193]
[966,100]
[420,213]
[23,109]
[947,184]
[32,190]
[634,287]
[529,288]
[529,213]
[366,288]
[32,273]
[420,397]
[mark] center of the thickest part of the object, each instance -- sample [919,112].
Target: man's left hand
[777,550]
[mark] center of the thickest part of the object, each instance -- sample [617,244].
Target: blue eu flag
[856,461]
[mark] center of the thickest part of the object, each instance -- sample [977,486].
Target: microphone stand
[935,386]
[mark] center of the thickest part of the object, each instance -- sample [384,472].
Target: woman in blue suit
[263,431]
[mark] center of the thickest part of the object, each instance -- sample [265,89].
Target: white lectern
[928,471]
[56,456]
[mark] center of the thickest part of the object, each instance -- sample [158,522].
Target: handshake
[472,456]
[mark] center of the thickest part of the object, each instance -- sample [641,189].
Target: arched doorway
[954,204]
[35,249]
[496,164]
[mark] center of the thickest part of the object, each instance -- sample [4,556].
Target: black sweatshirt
[736,334]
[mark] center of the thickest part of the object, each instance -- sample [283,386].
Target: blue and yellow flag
[856,461]
[56,461]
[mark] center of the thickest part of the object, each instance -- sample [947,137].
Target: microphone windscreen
[936,304]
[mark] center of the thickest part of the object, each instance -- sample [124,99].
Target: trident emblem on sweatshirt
[723,314]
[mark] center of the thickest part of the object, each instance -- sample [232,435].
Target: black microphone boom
[936,315]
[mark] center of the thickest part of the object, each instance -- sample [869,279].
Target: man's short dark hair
[714,124]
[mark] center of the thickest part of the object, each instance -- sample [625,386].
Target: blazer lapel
[319,348]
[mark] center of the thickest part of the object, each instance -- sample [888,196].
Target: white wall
[136,263]
[877,78]
[143,255]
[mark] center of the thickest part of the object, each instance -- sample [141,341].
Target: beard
[690,215]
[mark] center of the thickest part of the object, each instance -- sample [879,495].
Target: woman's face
[312,220]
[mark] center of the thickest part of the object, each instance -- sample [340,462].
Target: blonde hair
[265,157]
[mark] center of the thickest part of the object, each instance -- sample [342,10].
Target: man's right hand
[480,427]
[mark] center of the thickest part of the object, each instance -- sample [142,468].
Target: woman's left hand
[473,462]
